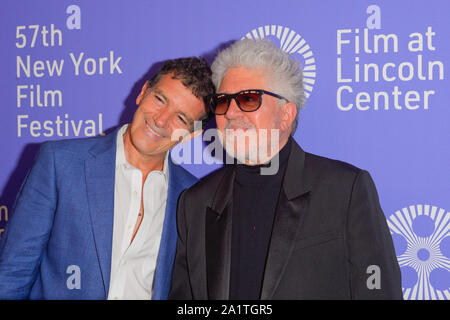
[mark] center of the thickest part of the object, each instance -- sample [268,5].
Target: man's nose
[162,118]
[233,110]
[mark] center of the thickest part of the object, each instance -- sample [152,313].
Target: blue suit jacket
[63,219]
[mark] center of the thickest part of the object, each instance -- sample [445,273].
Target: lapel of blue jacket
[178,181]
[100,175]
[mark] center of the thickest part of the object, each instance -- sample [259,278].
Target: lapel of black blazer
[218,238]
[291,208]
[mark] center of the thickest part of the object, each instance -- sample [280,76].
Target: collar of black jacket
[295,181]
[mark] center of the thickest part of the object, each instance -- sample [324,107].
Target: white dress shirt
[133,263]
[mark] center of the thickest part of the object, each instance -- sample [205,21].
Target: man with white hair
[313,229]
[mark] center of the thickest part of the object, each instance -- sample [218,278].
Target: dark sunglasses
[247,100]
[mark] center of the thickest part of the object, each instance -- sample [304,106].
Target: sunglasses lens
[249,101]
[221,104]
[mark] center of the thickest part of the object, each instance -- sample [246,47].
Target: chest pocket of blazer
[316,239]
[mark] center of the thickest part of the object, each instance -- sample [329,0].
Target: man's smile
[152,131]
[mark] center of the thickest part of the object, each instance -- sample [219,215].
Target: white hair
[284,74]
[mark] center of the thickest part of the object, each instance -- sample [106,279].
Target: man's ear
[142,94]
[288,114]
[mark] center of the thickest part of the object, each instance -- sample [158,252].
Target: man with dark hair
[95,217]
[313,229]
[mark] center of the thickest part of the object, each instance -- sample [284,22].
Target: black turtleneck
[255,198]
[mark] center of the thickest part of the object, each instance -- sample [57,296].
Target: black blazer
[329,229]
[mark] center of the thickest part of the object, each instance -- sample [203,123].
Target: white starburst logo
[421,236]
[291,42]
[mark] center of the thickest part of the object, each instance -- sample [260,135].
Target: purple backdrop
[377,80]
